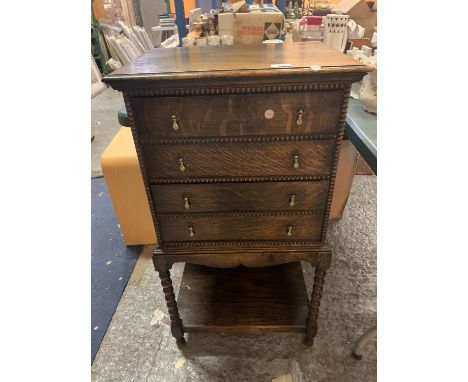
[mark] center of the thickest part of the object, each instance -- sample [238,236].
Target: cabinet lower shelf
[243,300]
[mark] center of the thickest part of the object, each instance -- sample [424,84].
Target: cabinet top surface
[199,62]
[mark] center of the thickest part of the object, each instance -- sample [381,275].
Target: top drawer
[235,115]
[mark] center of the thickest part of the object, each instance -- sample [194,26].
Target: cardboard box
[360,42]
[359,11]
[254,27]
[368,22]
[344,179]
[354,8]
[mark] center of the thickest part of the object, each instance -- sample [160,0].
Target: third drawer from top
[257,196]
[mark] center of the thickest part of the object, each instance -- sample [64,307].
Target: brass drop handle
[181,165]
[292,200]
[191,231]
[175,125]
[300,112]
[186,203]
[296,161]
[289,231]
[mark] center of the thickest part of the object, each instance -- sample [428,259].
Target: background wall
[109,11]
[112,10]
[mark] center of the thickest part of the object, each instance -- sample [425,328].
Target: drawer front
[267,196]
[240,228]
[235,115]
[239,159]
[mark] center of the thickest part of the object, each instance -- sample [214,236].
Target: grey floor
[133,350]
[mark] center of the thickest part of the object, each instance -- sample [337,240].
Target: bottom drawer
[240,227]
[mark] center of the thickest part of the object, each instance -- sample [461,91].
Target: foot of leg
[180,342]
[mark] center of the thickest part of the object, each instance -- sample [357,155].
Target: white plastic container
[227,39]
[188,41]
[214,40]
[200,41]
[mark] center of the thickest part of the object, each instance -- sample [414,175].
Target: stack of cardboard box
[359,11]
[253,27]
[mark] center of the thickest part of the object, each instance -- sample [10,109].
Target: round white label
[269,114]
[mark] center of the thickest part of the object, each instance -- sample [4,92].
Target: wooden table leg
[311,330]
[176,323]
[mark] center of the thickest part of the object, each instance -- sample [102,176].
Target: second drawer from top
[181,161]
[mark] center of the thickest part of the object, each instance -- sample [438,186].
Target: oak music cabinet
[239,160]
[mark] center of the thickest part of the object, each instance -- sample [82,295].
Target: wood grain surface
[239,196]
[238,159]
[240,227]
[271,299]
[228,61]
[238,115]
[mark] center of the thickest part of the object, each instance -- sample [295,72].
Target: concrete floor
[133,350]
